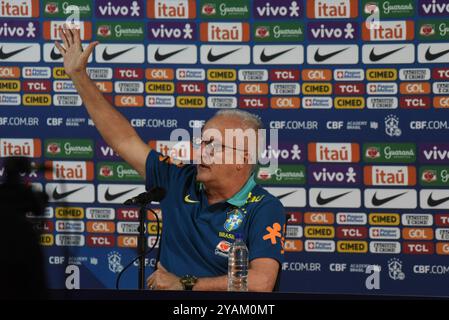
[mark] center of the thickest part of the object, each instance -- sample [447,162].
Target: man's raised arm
[112,125]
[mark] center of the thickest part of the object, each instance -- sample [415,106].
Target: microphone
[154,194]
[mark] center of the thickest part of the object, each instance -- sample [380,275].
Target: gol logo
[415,88]
[285,102]
[293,245]
[127,241]
[253,88]
[317,75]
[443,248]
[319,218]
[9,72]
[129,101]
[100,227]
[46,240]
[441,102]
[417,233]
[159,74]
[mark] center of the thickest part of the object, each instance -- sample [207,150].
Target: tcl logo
[352,232]
[191,88]
[415,102]
[100,241]
[418,248]
[284,75]
[349,88]
[128,214]
[128,73]
[37,86]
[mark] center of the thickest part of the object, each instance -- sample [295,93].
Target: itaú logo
[29,8]
[20,147]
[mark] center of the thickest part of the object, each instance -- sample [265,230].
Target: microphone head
[157,194]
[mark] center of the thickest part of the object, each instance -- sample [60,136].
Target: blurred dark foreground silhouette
[22,274]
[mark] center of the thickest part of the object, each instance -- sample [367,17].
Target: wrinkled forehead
[218,126]
[231,132]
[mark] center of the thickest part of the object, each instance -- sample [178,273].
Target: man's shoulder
[263,198]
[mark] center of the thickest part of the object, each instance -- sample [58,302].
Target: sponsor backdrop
[361,113]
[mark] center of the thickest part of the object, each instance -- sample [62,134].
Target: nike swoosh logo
[268,58]
[377,57]
[433,203]
[322,201]
[320,58]
[285,194]
[4,55]
[59,196]
[212,57]
[162,57]
[54,55]
[107,56]
[109,196]
[433,56]
[378,202]
[188,200]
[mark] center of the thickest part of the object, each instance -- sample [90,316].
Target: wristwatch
[188,282]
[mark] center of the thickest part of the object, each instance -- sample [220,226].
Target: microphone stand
[141,247]
[143,199]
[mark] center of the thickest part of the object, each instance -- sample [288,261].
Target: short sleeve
[161,170]
[266,232]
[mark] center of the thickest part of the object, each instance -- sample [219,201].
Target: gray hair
[249,120]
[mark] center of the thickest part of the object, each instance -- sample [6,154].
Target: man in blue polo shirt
[206,203]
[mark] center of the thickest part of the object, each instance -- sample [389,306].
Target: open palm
[75,58]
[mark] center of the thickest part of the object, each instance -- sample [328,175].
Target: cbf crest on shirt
[234,219]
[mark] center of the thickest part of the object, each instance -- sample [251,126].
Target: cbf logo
[395,269]
[115,262]
[234,219]
[392,126]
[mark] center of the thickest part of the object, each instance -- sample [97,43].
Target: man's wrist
[79,76]
[188,282]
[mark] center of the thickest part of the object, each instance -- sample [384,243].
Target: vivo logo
[434,8]
[122,9]
[278,9]
[19,29]
[333,31]
[172,31]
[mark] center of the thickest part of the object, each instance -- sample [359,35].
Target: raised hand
[75,59]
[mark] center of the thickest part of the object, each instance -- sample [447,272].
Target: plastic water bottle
[238,265]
